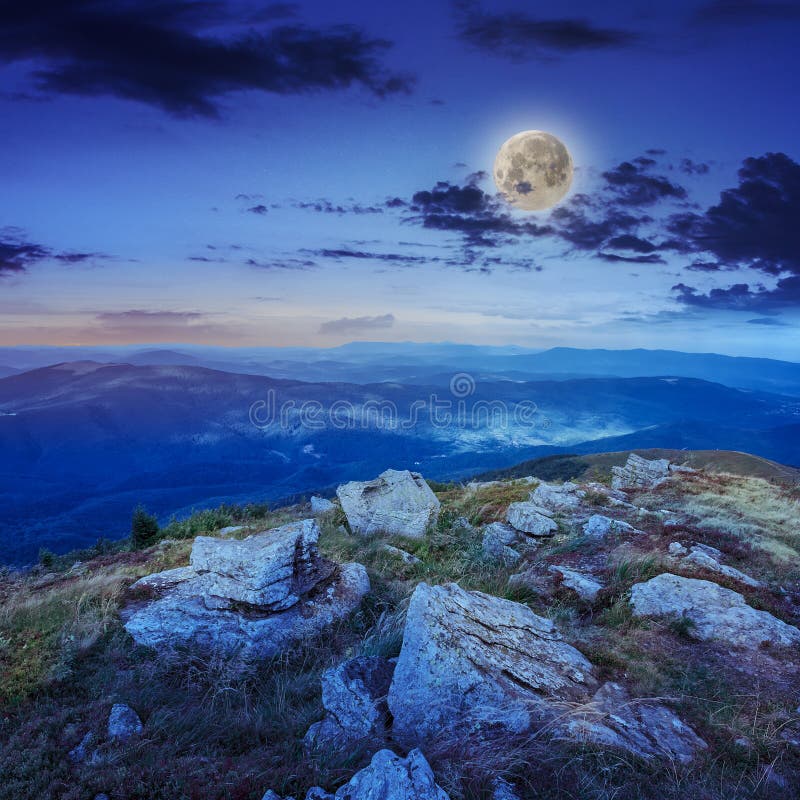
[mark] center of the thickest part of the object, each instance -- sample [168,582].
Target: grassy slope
[211,732]
[598,466]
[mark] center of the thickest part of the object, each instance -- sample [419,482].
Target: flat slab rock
[716,613]
[564,497]
[253,598]
[700,557]
[644,728]
[354,696]
[397,502]
[470,661]
[587,587]
[531,519]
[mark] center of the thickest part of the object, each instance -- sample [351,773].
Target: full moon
[533,170]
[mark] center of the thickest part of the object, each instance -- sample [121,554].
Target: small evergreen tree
[144,529]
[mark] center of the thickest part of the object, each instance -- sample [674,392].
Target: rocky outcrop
[531,519]
[712,611]
[354,698]
[600,526]
[498,541]
[700,557]
[389,777]
[473,662]
[587,587]
[123,723]
[253,597]
[639,473]
[643,728]
[398,502]
[566,497]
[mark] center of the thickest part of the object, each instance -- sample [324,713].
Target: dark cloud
[614,258]
[364,255]
[755,223]
[693,167]
[634,185]
[357,324]
[293,264]
[744,297]
[259,209]
[745,12]
[520,36]
[17,253]
[164,53]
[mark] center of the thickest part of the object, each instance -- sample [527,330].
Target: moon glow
[533,170]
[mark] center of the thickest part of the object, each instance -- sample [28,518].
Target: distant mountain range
[84,442]
[412,363]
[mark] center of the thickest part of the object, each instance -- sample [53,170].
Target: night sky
[247,173]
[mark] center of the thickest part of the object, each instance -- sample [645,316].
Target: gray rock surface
[601,526]
[123,723]
[354,697]
[713,611]
[555,497]
[389,777]
[470,661]
[700,557]
[643,728]
[299,594]
[498,539]
[229,529]
[677,549]
[585,586]
[640,473]
[397,502]
[531,519]
[321,505]
[272,569]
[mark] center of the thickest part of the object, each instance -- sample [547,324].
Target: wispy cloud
[356,325]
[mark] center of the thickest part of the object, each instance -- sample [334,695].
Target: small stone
[640,473]
[123,723]
[600,526]
[321,505]
[229,529]
[80,753]
[403,555]
[585,586]
[677,549]
[503,790]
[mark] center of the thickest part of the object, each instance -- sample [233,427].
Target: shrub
[47,558]
[144,529]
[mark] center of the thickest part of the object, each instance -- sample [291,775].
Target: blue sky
[168,179]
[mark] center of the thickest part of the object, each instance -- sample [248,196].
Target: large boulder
[253,598]
[271,569]
[354,697]
[644,728]
[640,473]
[397,502]
[531,519]
[473,662]
[713,612]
